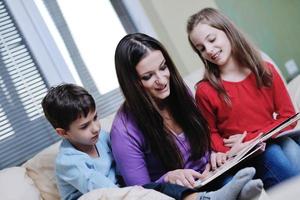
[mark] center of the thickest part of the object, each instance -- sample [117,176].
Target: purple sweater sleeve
[128,151]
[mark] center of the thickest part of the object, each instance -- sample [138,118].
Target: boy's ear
[61,132]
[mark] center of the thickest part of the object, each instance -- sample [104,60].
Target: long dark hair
[129,52]
[242,50]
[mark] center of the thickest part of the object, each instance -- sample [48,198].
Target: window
[31,61]
[22,87]
[88,33]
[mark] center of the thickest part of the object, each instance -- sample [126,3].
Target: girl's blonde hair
[242,50]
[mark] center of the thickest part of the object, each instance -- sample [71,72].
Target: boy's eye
[83,127]
[146,77]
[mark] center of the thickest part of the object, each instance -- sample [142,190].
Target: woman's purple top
[135,161]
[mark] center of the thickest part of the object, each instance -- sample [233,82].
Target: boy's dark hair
[65,103]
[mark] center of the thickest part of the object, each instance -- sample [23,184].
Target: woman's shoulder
[122,118]
[124,125]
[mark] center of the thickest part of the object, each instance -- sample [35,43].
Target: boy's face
[84,131]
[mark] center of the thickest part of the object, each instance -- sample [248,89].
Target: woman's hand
[184,177]
[217,159]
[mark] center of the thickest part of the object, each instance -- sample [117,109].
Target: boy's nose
[96,127]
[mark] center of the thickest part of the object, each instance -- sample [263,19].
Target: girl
[240,94]
[153,138]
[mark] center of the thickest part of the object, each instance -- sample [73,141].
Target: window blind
[106,103]
[24,130]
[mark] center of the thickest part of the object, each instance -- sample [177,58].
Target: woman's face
[154,74]
[213,44]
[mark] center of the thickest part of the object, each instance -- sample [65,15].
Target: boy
[85,162]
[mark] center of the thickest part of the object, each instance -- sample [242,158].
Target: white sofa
[35,179]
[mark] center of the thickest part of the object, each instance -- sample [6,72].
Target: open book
[253,148]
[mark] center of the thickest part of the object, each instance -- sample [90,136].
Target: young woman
[240,94]
[153,138]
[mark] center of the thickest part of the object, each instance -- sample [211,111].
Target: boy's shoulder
[104,138]
[67,153]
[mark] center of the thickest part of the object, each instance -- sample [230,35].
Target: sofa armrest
[16,185]
[41,169]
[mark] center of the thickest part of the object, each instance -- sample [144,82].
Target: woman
[163,142]
[154,138]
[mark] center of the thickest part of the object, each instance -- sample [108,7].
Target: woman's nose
[160,80]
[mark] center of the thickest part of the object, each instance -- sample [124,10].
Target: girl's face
[154,74]
[213,44]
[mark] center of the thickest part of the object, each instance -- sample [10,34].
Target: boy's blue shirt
[77,173]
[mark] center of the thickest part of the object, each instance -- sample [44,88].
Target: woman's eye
[96,117]
[146,77]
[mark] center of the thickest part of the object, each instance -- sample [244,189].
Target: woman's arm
[127,148]
[129,156]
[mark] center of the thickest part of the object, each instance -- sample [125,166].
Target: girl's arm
[283,105]
[207,109]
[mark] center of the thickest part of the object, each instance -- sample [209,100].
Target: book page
[257,145]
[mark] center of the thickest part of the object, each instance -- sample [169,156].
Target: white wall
[168,18]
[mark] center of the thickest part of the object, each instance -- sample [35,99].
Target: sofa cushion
[16,185]
[127,193]
[41,168]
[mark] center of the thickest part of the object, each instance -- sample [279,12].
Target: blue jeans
[291,148]
[272,167]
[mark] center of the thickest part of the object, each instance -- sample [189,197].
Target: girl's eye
[146,77]
[212,39]
[163,67]
[201,49]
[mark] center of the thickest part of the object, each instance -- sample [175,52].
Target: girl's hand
[232,140]
[237,147]
[184,177]
[217,159]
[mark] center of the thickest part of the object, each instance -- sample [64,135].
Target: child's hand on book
[234,139]
[184,177]
[217,159]
[238,145]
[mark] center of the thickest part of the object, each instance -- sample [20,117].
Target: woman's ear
[61,132]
